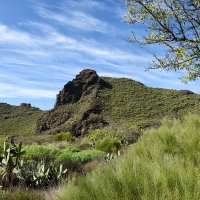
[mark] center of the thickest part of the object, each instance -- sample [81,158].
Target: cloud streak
[13,91]
[74,18]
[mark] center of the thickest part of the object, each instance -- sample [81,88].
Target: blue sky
[45,43]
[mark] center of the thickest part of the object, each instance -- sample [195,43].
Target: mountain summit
[77,108]
[82,85]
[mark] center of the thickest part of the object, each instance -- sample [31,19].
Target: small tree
[176,25]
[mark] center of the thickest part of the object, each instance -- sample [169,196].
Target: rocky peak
[25,105]
[82,85]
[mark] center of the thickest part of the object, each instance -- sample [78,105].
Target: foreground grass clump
[20,194]
[164,164]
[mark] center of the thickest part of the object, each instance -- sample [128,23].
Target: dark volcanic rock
[186,92]
[77,108]
[82,85]
[25,105]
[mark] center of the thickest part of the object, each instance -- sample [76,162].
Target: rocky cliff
[82,85]
[77,108]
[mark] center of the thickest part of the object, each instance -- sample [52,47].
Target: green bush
[65,156]
[109,145]
[41,152]
[123,135]
[88,155]
[69,156]
[64,136]
[94,136]
[70,149]
[79,156]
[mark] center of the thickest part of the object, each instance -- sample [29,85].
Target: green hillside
[164,165]
[114,102]
[93,102]
[131,102]
[17,120]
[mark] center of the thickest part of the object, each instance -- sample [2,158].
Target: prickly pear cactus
[10,163]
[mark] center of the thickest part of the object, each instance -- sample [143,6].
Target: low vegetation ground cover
[163,164]
[119,101]
[129,102]
[35,153]
[21,194]
[17,120]
[40,166]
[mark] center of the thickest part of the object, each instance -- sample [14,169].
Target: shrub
[66,154]
[40,152]
[122,134]
[94,136]
[70,149]
[36,153]
[88,155]
[64,136]
[109,145]
[79,156]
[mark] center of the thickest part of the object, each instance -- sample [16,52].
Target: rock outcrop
[82,85]
[77,108]
[186,92]
[25,105]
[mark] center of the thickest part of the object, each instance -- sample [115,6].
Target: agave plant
[10,163]
[12,170]
[111,156]
[47,175]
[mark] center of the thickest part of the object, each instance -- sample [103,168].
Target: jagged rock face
[84,82]
[77,108]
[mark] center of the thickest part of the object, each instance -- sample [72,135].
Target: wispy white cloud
[75,18]
[57,43]
[10,91]
[84,4]
[12,36]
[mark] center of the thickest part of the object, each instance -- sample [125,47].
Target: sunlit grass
[164,164]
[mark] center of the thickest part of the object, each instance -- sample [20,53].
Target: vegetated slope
[134,103]
[16,120]
[90,102]
[163,164]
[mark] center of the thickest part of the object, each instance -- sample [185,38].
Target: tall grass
[163,164]
[21,194]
